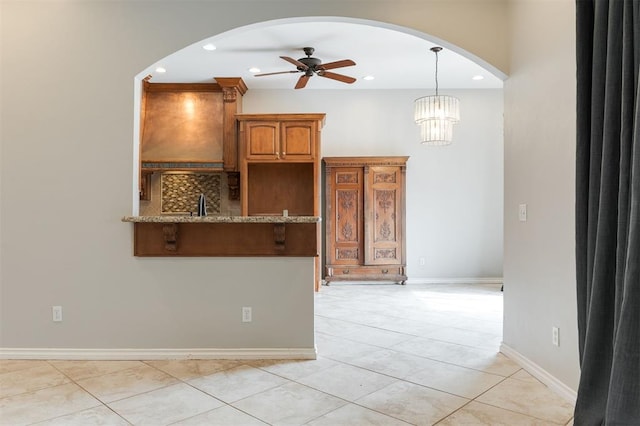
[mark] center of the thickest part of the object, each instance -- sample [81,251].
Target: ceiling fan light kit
[311,66]
[436,114]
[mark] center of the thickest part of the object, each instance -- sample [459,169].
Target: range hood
[190,126]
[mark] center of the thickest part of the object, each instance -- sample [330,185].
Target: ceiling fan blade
[337,64]
[302,81]
[274,73]
[295,62]
[339,77]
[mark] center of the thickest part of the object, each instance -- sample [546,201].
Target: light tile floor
[388,355]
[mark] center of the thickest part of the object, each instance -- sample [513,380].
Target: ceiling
[396,59]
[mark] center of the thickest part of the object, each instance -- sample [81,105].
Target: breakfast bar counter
[225,235]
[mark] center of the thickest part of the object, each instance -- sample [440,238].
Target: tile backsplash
[176,193]
[180,192]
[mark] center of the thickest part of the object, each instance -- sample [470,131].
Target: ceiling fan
[310,66]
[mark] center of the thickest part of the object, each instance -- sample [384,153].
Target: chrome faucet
[202,206]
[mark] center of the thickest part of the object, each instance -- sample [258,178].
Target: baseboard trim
[540,373]
[488,280]
[151,354]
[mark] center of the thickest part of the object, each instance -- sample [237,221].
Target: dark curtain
[608,211]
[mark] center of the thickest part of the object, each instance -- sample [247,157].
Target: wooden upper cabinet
[279,137]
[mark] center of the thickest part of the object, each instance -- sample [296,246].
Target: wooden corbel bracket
[279,235]
[170,233]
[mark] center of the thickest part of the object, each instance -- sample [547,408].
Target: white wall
[539,262]
[454,193]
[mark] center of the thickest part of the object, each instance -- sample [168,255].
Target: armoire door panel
[345,177]
[384,177]
[347,233]
[351,255]
[384,205]
[348,216]
[386,254]
[384,195]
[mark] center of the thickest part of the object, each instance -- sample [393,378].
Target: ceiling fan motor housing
[310,62]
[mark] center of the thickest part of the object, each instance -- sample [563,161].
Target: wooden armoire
[365,219]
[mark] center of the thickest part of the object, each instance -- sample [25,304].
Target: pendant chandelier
[436,114]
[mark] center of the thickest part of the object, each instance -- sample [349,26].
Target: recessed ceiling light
[477,77]
[369,77]
[254,69]
[160,70]
[209,46]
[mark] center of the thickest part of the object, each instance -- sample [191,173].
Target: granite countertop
[221,219]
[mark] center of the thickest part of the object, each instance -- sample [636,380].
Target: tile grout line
[36,389]
[508,409]
[419,356]
[102,403]
[225,404]
[396,380]
[409,334]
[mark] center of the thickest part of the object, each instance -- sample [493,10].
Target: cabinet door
[383,204]
[347,227]
[261,140]
[298,140]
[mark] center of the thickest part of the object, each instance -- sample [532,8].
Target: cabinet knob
[345,271]
[385,271]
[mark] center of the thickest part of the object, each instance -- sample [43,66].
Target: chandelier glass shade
[436,115]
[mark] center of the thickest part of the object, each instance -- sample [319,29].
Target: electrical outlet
[422,261]
[522,212]
[57,313]
[555,336]
[246,314]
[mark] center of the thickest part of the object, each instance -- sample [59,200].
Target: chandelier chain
[436,52]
